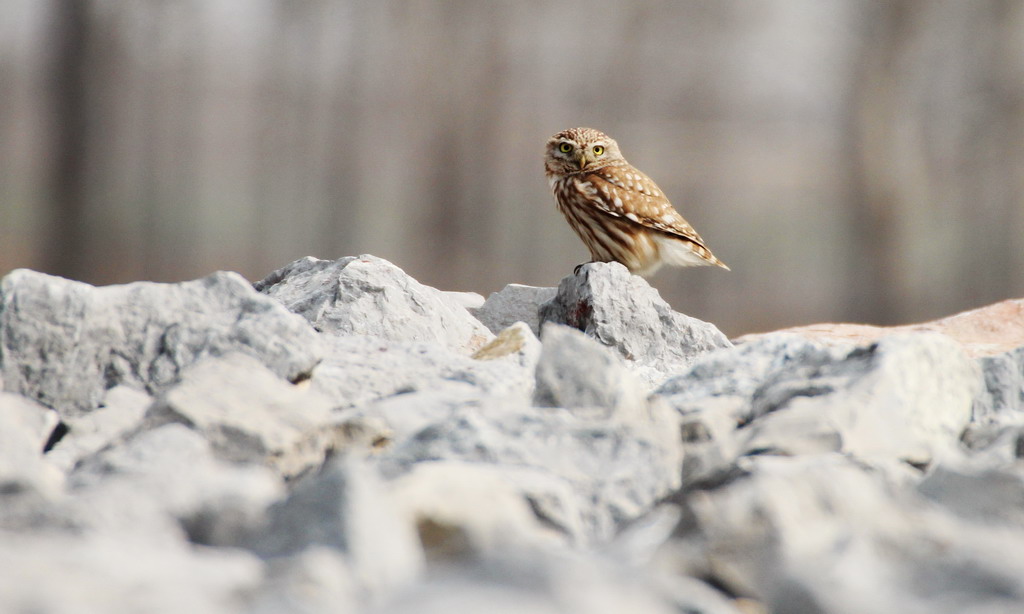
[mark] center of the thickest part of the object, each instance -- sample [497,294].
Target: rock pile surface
[341,438]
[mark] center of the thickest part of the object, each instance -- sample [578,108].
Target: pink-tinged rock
[986,331]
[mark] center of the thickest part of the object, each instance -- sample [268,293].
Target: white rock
[249,414]
[25,427]
[576,371]
[514,303]
[48,572]
[359,369]
[554,584]
[823,533]
[344,507]
[470,301]
[464,511]
[122,410]
[370,296]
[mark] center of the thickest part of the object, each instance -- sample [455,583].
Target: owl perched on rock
[619,212]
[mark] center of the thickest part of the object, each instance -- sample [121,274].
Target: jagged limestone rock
[64,343]
[625,313]
[367,295]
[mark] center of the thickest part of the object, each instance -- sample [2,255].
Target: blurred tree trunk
[874,188]
[69,130]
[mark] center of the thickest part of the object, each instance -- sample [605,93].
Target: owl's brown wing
[629,193]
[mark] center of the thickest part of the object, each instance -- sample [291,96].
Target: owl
[619,212]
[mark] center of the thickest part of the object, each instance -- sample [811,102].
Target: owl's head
[579,150]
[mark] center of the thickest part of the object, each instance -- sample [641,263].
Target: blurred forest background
[851,160]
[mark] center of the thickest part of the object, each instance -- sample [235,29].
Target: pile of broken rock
[341,438]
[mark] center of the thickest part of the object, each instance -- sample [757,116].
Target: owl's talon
[576,271]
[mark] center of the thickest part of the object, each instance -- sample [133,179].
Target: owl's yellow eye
[565,148]
[598,150]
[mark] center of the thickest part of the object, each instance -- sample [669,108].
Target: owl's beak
[582,159]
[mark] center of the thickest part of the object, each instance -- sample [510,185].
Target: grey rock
[472,594]
[906,397]
[344,507]
[514,303]
[716,394]
[367,295]
[165,484]
[64,343]
[989,495]
[576,371]
[809,533]
[120,413]
[161,487]
[317,580]
[24,428]
[408,413]
[249,414]
[358,369]
[1004,386]
[740,371]
[554,584]
[622,311]
[592,471]
[994,445]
